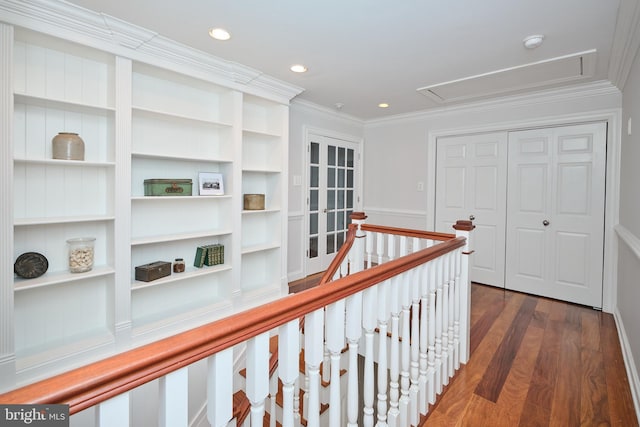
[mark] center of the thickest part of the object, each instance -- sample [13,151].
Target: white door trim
[612,212]
[358,202]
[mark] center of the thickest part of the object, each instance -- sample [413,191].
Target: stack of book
[209,255]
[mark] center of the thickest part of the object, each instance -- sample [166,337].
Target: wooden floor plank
[484,321]
[514,394]
[594,405]
[461,389]
[565,410]
[591,330]
[568,369]
[491,384]
[621,409]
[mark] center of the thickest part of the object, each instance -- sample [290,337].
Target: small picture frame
[211,184]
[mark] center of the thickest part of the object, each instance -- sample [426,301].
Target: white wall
[399,151]
[628,315]
[302,118]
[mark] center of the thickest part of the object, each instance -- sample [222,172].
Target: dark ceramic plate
[30,265]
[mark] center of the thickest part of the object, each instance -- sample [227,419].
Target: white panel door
[471,184]
[555,212]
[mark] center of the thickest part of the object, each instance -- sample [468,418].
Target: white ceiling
[363,52]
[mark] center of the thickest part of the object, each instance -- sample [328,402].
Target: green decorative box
[168,187]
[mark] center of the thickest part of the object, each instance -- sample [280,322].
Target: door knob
[545,222]
[472,217]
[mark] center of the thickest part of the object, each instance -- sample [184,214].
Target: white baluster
[368,324]
[393,417]
[424,336]
[325,372]
[464,230]
[313,351]
[273,391]
[220,388]
[431,336]
[297,416]
[414,351]
[114,412]
[380,248]
[344,268]
[383,315]
[456,309]
[438,340]
[353,332]
[335,342]
[405,353]
[445,321]
[288,369]
[258,376]
[403,297]
[452,292]
[369,247]
[174,402]
[414,409]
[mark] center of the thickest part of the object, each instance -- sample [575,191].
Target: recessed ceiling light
[383,105]
[298,68]
[219,34]
[532,42]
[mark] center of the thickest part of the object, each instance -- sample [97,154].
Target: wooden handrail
[330,272]
[430,235]
[97,382]
[351,235]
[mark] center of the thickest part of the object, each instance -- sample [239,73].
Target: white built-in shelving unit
[181,126]
[60,86]
[264,135]
[143,114]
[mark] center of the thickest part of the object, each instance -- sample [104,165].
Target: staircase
[410,287]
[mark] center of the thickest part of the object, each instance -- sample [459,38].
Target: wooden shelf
[61,104]
[189,273]
[24,222]
[57,278]
[177,116]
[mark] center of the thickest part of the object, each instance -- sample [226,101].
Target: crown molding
[626,42]
[65,20]
[583,91]
[313,107]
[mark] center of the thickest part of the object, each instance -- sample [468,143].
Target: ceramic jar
[68,146]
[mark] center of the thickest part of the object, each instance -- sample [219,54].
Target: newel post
[357,260]
[463,229]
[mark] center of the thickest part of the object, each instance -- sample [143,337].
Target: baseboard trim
[627,356]
[295,275]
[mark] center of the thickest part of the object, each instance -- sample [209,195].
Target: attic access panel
[540,74]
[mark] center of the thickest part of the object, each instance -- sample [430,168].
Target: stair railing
[429,348]
[426,287]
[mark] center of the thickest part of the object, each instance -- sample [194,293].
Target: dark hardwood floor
[534,362]
[537,362]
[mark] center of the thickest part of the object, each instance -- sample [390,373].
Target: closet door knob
[545,222]
[472,217]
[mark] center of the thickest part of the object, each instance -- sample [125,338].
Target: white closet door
[471,184]
[555,212]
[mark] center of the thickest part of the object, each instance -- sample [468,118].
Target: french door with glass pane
[332,197]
